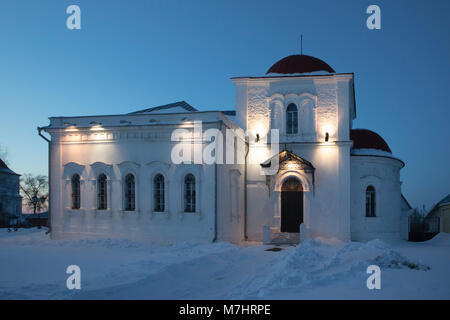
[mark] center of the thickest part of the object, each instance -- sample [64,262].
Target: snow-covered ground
[34,267]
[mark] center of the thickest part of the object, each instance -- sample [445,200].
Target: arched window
[130,193]
[158,193]
[76,198]
[102,199]
[291,119]
[370,201]
[189,193]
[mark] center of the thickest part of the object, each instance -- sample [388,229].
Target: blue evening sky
[135,54]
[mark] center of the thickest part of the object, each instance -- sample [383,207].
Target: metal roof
[180,104]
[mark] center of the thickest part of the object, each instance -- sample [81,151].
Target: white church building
[114,175]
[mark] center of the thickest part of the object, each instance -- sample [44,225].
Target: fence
[422,229]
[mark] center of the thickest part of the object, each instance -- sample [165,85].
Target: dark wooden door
[291,205]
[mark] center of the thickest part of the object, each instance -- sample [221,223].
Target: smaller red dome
[367,139]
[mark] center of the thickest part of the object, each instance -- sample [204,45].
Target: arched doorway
[291,205]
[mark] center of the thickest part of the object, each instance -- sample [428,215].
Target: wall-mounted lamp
[257,138]
[69,124]
[125,121]
[95,123]
[327,137]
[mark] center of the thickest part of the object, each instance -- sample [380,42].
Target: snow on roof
[4,168]
[371,152]
[3,164]
[445,200]
[374,153]
[406,202]
[229,112]
[176,107]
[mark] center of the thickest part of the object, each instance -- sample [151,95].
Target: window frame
[370,202]
[159,193]
[190,206]
[102,178]
[129,193]
[292,119]
[75,184]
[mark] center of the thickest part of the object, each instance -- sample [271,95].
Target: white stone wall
[143,150]
[325,104]
[384,175]
[326,199]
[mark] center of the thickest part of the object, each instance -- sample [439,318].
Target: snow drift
[314,263]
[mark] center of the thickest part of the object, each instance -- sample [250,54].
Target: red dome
[366,139]
[300,63]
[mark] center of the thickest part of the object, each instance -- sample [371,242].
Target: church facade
[298,171]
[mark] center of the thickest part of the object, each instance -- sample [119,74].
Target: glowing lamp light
[328,131]
[97,127]
[258,130]
[291,165]
[71,129]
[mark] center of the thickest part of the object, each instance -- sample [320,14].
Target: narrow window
[158,193]
[291,119]
[189,193]
[130,194]
[102,199]
[370,201]
[76,192]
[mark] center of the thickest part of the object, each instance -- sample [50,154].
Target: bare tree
[34,190]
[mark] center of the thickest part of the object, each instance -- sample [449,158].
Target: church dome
[299,63]
[366,139]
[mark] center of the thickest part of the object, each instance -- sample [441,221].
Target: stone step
[285,238]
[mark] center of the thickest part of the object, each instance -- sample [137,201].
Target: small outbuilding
[441,210]
[10,199]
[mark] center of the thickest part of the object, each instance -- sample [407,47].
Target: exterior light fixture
[327,137]
[69,124]
[257,137]
[125,121]
[95,123]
